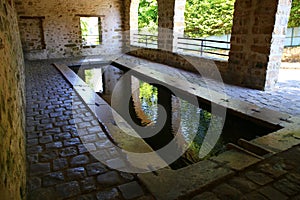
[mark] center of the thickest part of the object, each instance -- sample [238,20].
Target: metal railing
[292,38]
[200,47]
[203,46]
[90,40]
[145,40]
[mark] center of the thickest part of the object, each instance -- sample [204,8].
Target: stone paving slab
[277,177]
[170,184]
[235,160]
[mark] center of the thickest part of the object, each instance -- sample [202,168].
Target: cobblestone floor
[60,167]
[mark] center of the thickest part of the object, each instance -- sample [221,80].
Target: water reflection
[93,77]
[183,118]
[186,119]
[148,98]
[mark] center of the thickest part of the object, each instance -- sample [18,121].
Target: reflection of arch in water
[136,101]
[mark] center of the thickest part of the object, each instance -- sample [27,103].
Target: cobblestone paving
[59,165]
[275,178]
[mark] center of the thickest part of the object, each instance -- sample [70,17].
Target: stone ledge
[235,160]
[169,184]
[165,184]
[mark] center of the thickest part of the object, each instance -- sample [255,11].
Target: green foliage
[148,15]
[294,20]
[208,17]
[148,97]
[84,25]
[89,76]
[199,120]
[203,17]
[147,91]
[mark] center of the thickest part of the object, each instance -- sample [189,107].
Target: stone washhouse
[61,140]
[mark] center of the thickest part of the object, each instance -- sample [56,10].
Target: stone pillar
[111,76]
[257,42]
[170,23]
[178,22]
[277,45]
[134,15]
[165,24]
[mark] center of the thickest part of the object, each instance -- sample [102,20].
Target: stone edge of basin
[204,173]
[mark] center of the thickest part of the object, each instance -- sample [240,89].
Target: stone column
[277,45]
[111,76]
[257,42]
[134,8]
[170,23]
[126,24]
[178,22]
[165,24]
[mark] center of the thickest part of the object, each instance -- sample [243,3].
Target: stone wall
[257,42]
[32,33]
[12,97]
[186,62]
[60,22]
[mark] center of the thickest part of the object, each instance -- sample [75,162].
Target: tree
[148,15]
[204,17]
[294,20]
[208,17]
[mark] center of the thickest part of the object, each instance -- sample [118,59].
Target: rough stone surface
[12,106]
[131,190]
[165,184]
[95,180]
[79,160]
[225,191]
[242,184]
[53,179]
[60,167]
[55,32]
[287,187]
[236,160]
[258,178]
[110,179]
[109,194]
[255,183]
[68,189]
[206,195]
[95,169]
[284,98]
[271,193]
[256,60]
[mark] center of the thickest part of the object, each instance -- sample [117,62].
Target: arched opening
[207,28]
[144,23]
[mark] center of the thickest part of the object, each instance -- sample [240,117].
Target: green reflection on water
[148,98]
[199,120]
[190,118]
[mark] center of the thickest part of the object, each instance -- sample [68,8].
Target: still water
[184,118]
